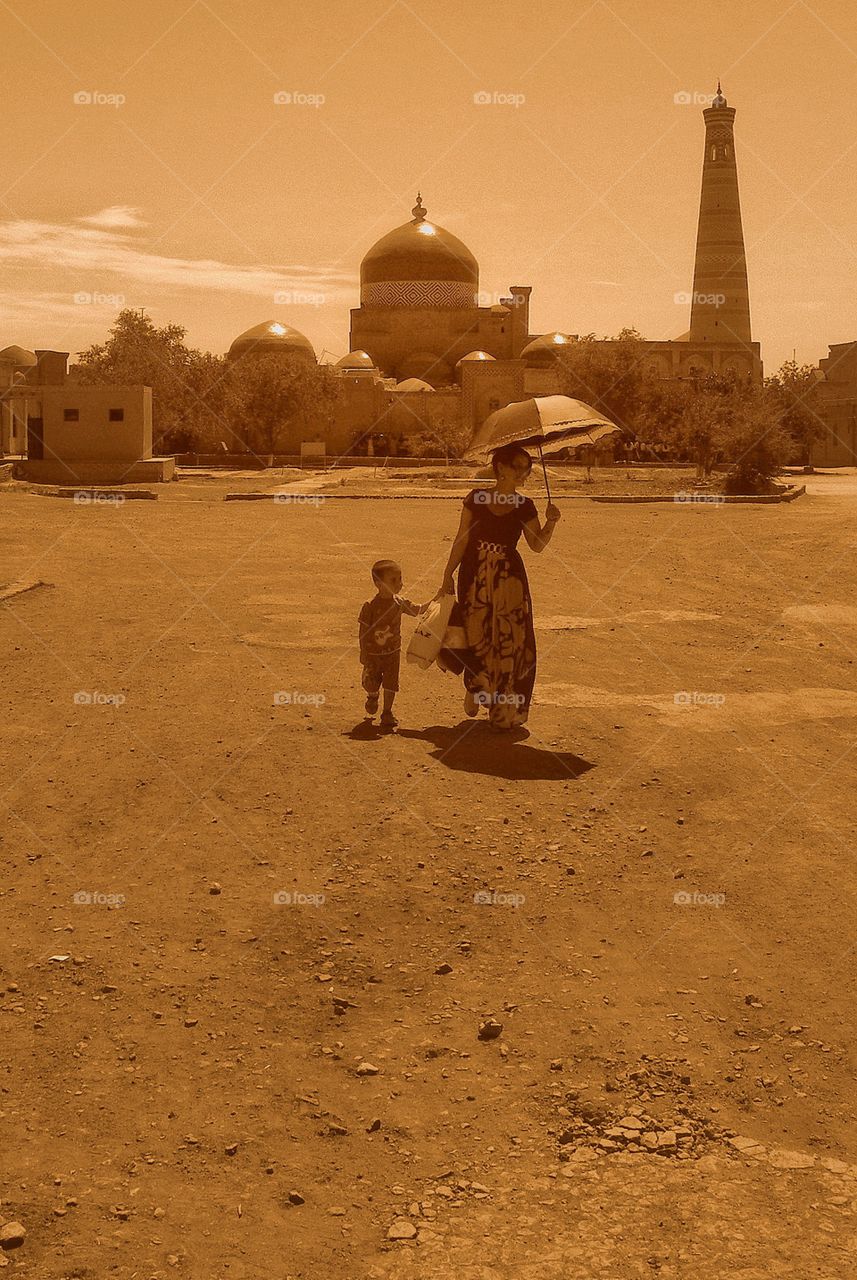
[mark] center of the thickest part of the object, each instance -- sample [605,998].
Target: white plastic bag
[429,632]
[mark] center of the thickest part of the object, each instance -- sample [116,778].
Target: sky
[223,164]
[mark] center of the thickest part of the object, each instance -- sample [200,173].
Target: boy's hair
[380,567]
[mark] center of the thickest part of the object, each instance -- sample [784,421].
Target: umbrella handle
[545,473]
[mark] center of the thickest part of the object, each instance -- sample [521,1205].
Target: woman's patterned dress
[496,609]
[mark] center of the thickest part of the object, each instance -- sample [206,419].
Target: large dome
[18,356]
[419,265]
[272,339]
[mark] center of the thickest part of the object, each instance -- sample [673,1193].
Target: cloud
[117,215]
[103,254]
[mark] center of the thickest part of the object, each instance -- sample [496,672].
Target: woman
[493,592]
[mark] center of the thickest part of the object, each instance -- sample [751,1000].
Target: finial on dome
[719,100]
[418,211]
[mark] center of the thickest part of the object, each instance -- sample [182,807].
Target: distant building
[70,433]
[837,407]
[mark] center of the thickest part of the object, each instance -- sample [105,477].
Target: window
[116,415]
[71,415]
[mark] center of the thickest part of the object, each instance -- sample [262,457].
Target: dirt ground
[248,943]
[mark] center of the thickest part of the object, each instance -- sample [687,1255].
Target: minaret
[720,310]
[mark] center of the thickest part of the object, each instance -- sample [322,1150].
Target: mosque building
[427,358]
[424,354]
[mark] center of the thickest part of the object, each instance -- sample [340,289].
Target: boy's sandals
[388,720]
[371,704]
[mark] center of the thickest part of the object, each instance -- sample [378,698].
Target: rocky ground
[284,996]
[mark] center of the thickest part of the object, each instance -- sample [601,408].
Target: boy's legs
[390,685]
[372,684]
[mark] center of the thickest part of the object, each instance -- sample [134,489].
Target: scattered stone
[402,1229]
[231,1149]
[630,1122]
[781,1159]
[556,1064]
[367,1069]
[374,1126]
[214,889]
[490,1029]
[443,969]
[191,1022]
[295,1197]
[337,1130]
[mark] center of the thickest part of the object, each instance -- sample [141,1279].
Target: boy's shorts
[381,671]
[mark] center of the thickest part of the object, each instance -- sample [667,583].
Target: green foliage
[272,402]
[200,402]
[609,375]
[796,389]
[187,402]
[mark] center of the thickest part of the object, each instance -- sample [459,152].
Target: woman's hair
[506,455]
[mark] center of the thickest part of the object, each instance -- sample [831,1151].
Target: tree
[725,419]
[187,398]
[797,390]
[609,374]
[268,398]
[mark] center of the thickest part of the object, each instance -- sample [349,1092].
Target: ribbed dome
[19,356]
[474,356]
[356,360]
[271,339]
[419,265]
[545,349]
[414,384]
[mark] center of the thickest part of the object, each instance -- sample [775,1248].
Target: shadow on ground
[472,748]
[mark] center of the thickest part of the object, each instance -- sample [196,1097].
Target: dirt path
[653,894]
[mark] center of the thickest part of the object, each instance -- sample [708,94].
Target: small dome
[18,356]
[499,310]
[545,349]
[474,356]
[419,264]
[414,384]
[272,339]
[355,360]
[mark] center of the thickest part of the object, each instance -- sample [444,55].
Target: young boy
[381,638]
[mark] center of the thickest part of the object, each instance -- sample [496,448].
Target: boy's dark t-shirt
[381,625]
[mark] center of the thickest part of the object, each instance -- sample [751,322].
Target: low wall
[80,474]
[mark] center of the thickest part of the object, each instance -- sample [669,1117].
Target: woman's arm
[456,554]
[539,535]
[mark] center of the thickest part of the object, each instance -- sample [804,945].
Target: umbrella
[548,423]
